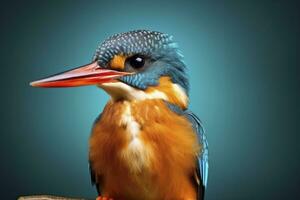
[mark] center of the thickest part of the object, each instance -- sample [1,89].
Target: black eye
[136,61]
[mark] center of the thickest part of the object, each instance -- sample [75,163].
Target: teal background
[244,72]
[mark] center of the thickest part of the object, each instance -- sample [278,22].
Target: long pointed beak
[90,74]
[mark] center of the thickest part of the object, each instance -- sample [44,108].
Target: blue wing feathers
[203,157]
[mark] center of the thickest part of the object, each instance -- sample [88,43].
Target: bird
[146,144]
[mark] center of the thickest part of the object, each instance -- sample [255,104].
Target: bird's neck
[135,114]
[165,90]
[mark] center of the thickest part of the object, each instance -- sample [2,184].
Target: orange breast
[142,150]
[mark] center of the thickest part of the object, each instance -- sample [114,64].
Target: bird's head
[135,65]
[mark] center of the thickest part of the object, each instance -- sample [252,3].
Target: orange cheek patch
[118,62]
[166,86]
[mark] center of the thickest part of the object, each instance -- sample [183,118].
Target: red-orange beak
[90,74]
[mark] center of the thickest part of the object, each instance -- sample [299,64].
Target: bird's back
[144,150]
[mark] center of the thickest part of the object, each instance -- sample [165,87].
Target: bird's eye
[136,61]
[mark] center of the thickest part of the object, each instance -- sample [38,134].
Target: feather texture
[162,166]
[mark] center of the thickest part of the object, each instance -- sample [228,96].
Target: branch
[47,197]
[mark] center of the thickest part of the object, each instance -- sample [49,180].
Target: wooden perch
[47,197]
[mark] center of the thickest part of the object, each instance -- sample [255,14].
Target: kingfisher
[146,144]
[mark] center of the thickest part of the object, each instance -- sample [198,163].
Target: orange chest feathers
[143,150]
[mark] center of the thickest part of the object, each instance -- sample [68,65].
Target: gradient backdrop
[244,73]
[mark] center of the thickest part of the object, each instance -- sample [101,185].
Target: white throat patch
[119,90]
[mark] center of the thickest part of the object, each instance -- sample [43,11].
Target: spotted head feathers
[160,53]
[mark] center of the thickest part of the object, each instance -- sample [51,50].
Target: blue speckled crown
[132,42]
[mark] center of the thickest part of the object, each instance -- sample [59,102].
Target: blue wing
[202,158]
